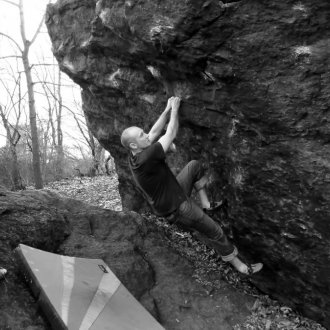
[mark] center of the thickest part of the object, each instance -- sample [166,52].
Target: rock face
[153,272]
[255,82]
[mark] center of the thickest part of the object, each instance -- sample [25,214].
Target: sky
[40,52]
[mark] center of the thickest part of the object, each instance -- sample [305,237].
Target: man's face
[142,139]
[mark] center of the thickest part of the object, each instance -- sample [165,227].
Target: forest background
[43,132]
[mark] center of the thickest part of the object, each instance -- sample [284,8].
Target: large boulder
[254,78]
[135,251]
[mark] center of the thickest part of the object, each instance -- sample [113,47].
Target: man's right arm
[172,127]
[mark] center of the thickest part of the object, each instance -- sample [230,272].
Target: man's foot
[214,206]
[252,268]
[246,268]
[3,272]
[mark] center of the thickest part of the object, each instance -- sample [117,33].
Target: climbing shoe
[253,268]
[214,206]
[3,272]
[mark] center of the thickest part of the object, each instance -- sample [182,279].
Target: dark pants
[191,216]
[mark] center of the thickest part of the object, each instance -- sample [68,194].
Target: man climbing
[169,196]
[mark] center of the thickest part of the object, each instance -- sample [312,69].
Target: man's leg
[192,176]
[191,216]
[203,198]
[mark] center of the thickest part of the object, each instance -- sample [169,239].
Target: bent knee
[196,168]
[195,163]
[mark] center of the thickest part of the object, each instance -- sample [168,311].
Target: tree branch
[78,140]
[42,64]
[70,155]
[82,132]
[22,24]
[10,56]
[10,94]
[10,2]
[38,30]
[50,83]
[13,40]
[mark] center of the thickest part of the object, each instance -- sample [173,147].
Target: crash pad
[79,293]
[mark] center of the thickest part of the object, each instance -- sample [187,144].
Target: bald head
[129,135]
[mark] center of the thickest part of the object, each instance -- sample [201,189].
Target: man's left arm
[157,128]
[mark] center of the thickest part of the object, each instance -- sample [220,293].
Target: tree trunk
[109,169]
[12,140]
[33,122]
[32,111]
[16,176]
[60,152]
[98,158]
[93,169]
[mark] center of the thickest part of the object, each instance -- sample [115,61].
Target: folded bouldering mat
[79,293]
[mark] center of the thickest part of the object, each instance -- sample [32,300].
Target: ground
[266,313]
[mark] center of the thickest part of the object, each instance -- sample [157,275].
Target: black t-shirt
[159,185]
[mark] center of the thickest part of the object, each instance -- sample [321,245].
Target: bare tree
[12,131]
[52,86]
[53,90]
[59,109]
[97,151]
[24,56]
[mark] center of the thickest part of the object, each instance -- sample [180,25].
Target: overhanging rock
[254,79]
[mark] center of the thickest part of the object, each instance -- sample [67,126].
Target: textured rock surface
[255,80]
[25,219]
[136,252]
